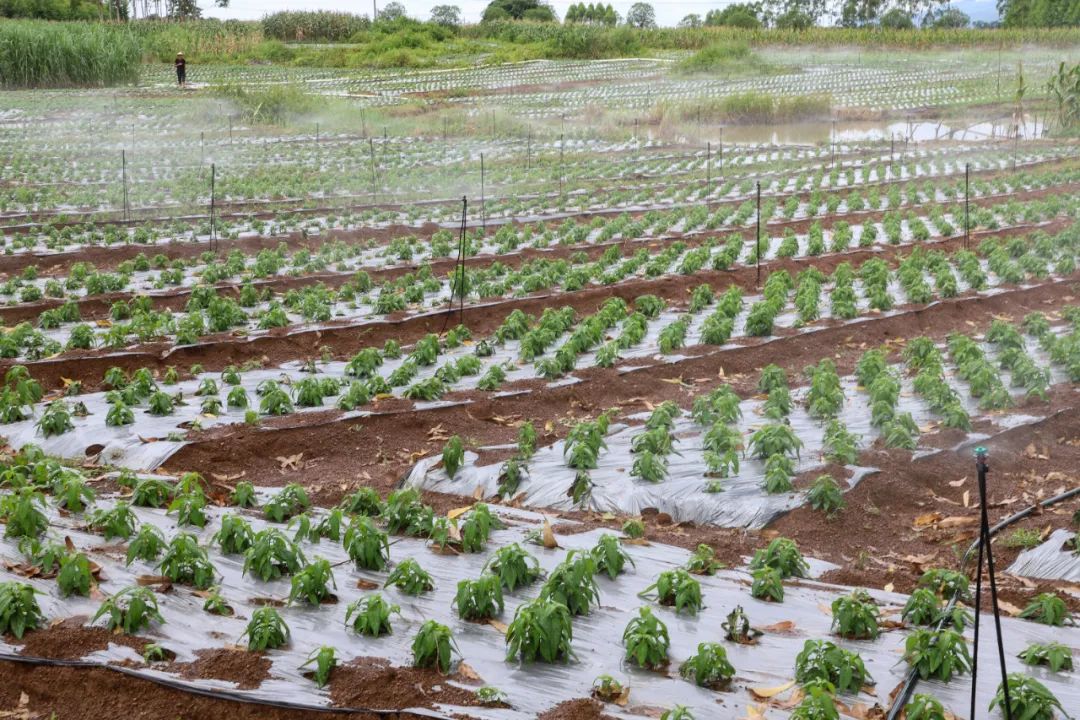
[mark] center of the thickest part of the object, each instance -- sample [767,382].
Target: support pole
[757,236]
[123,175]
[371,148]
[708,167]
[483,214]
[561,144]
[721,151]
[984,544]
[967,206]
[213,202]
[230,130]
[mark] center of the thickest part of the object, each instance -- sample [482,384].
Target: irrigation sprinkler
[561,143]
[967,205]
[757,235]
[213,199]
[132,138]
[371,148]
[721,151]
[708,165]
[230,129]
[123,175]
[1016,142]
[984,546]
[363,124]
[459,271]
[483,214]
[832,145]
[202,149]
[316,133]
[528,150]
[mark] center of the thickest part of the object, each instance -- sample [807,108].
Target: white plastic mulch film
[532,688]
[1054,559]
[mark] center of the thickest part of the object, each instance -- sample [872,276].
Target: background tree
[693,20]
[391,11]
[946,17]
[446,15]
[519,10]
[741,15]
[856,13]
[897,19]
[1039,13]
[641,15]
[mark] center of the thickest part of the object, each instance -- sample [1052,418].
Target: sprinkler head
[980,453]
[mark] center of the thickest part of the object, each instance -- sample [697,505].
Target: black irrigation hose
[214,694]
[912,676]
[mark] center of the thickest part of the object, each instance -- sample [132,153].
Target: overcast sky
[667,13]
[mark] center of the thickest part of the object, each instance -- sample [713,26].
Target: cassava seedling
[325,660]
[370,615]
[573,583]
[432,647]
[541,630]
[1028,699]
[310,583]
[737,627]
[1047,609]
[823,661]
[147,544]
[925,707]
[266,630]
[646,640]
[609,556]
[703,561]
[272,555]
[1053,655]
[410,578]
[677,589]
[514,566]
[855,616]
[709,666]
[19,609]
[608,689]
[783,555]
[479,599]
[130,610]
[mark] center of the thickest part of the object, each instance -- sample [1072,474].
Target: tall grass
[747,107]
[217,41]
[313,25]
[37,53]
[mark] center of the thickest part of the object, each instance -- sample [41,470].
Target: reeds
[47,54]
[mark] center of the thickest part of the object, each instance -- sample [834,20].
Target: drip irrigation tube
[216,694]
[913,676]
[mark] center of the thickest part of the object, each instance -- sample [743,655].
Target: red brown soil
[580,709]
[71,640]
[246,669]
[374,683]
[101,694]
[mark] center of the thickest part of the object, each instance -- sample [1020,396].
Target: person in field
[181,69]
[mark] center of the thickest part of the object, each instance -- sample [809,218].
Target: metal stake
[757,237]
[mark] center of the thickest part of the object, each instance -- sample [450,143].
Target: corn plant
[370,615]
[678,589]
[325,660]
[823,661]
[541,630]
[19,610]
[646,640]
[783,555]
[573,583]
[855,616]
[310,582]
[709,666]
[479,599]
[1028,699]
[432,647]
[410,578]
[266,630]
[130,610]
[1054,655]
[185,562]
[514,567]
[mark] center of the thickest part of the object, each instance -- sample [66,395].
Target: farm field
[549,389]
